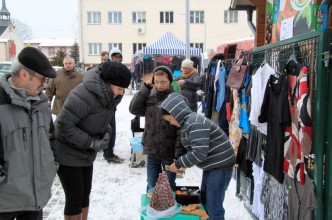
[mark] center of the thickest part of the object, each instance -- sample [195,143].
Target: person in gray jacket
[208,148]
[83,129]
[27,165]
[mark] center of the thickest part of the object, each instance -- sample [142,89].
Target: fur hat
[164,69]
[35,60]
[116,74]
[187,63]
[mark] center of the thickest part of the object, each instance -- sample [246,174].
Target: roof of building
[52,42]
[2,29]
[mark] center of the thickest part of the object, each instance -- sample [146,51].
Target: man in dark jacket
[207,147]
[109,154]
[83,129]
[161,141]
[27,165]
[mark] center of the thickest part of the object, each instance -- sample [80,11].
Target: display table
[145,201]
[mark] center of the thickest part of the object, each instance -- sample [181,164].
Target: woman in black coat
[82,129]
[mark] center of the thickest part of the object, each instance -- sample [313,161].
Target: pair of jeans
[213,188]
[154,168]
[22,215]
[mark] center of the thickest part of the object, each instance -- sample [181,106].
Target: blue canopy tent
[169,44]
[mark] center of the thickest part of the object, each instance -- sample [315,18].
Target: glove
[100,144]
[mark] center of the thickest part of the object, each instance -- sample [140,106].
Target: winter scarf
[186,75]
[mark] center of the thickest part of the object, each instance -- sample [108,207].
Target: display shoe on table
[115,159]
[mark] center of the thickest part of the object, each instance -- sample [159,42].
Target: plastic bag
[152,214]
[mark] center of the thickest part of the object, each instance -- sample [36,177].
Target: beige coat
[61,86]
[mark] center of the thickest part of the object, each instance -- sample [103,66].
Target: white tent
[169,44]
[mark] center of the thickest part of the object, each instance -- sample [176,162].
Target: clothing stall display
[269,124]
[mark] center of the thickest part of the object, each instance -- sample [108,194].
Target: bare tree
[22,29]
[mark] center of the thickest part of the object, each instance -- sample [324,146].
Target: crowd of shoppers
[85,106]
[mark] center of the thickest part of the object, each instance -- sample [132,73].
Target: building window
[166,17]
[115,17]
[196,17]
[63,49]
[230,16]
[139,17]
[94,48]
[138,46]
[197,45]
[112,45]
[94,17]
[51,51]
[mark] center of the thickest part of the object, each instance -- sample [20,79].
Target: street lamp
[187,30]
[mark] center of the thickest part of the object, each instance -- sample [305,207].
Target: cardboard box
[186,195]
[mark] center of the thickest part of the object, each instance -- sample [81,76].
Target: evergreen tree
[74,53]
[57,60]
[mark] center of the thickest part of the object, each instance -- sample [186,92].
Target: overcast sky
[46,18]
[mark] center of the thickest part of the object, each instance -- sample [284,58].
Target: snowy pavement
[116,192]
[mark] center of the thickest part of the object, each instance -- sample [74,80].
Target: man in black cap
[83,129]
[109,155]
[27,165]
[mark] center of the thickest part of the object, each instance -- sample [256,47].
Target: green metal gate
[314,50]
[323,132]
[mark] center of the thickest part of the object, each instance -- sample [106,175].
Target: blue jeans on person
[154,168]
[213,188]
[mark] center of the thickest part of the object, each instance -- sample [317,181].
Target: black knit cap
[116,74]
[35,60]
[164,69]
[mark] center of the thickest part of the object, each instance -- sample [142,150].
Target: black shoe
[138,164]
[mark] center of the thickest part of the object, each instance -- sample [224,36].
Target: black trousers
[22,215]
[109,151]
[76,183]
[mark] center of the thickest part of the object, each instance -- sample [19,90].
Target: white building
[11,43]
[131,25]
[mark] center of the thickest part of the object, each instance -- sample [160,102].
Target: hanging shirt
[301,199]
[259,81]
[257,205]
[275,111]
[220,89]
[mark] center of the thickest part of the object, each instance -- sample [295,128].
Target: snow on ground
[116,190]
